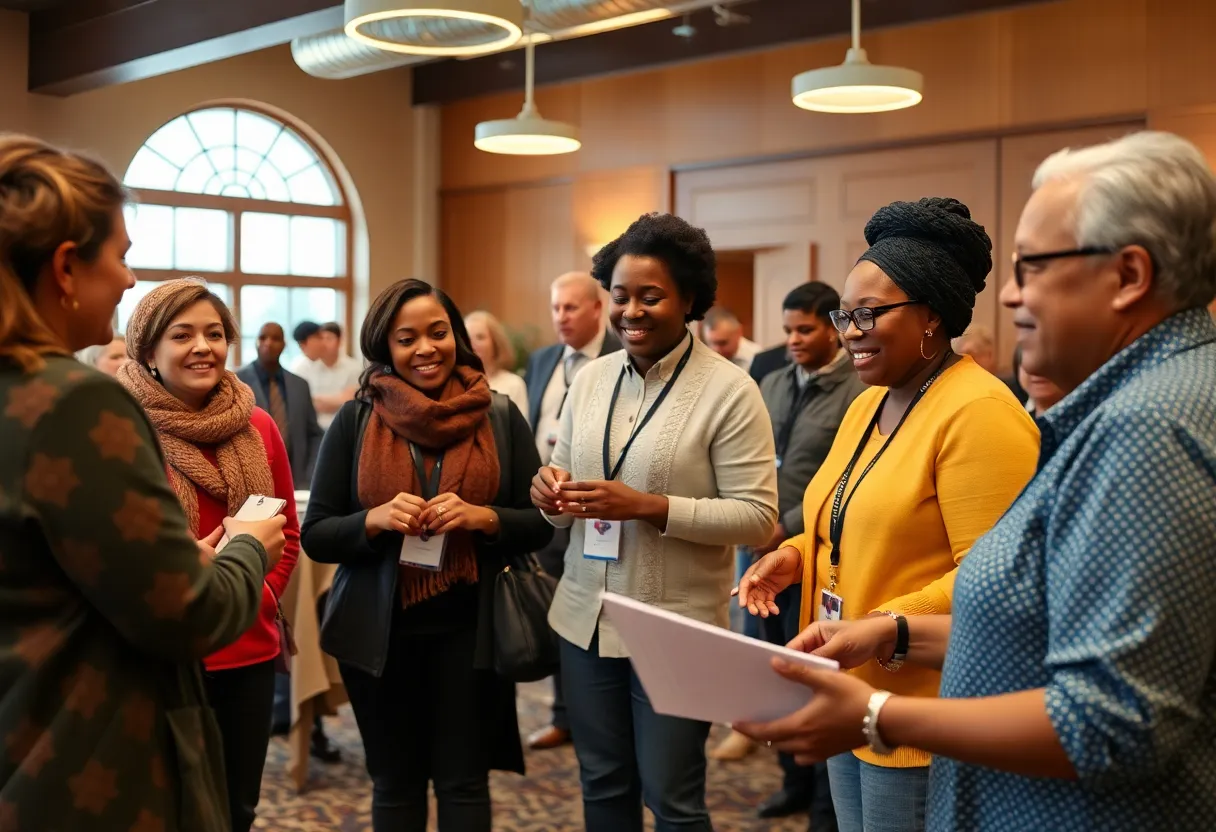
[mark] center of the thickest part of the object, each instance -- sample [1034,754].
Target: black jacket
[305,439]
[358,615]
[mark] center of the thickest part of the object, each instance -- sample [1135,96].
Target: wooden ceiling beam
[85,44]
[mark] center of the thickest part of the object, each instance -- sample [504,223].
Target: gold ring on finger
[441,510]
[584,506]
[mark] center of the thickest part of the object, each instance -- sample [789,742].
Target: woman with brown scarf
[421,494]
[220,450]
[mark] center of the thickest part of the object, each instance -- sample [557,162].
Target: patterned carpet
[547,800]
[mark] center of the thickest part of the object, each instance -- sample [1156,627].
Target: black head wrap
[935,253]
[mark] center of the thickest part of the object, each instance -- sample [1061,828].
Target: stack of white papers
[699,671]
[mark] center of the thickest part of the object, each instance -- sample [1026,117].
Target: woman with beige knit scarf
[426,468]
[220,450]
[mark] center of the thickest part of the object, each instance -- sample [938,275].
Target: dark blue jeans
[627,753]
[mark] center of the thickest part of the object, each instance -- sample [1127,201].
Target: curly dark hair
[683,248]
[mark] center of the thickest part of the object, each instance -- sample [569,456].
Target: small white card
[425,554]
[256,507]
[831,606]
[602,540]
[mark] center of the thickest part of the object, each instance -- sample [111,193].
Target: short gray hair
[1152,189]
[718,315]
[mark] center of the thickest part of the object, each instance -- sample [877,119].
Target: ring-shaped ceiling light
[435,27]
[857,86]
[528,134]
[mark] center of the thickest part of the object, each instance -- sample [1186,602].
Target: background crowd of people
[1016,574]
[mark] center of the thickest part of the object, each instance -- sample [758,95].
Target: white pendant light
[435,27]
[527,134]
[857,86]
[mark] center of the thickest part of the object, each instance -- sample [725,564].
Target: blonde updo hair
[48,197]
[504,350]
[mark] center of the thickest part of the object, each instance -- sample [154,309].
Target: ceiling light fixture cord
[856,24]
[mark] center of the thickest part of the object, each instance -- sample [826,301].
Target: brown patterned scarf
[224,424]
[456,424]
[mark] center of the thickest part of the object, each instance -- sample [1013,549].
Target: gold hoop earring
[928,334]
[63,301]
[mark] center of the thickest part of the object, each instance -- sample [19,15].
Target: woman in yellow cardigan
[924,463]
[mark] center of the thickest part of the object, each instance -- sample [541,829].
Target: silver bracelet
[869,723]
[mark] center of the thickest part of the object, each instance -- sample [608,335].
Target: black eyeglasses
[1019,260]
[863,316]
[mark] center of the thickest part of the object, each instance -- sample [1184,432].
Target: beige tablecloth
[316,686]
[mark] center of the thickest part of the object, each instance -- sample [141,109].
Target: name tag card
[831,606]
[602,540]
[423,552]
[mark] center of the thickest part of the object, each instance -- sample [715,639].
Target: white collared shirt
[548,421]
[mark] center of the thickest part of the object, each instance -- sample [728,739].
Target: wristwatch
[901,644]
[869,723]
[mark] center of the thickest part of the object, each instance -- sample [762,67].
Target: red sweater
[260,643]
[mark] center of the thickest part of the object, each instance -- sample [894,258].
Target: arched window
[246,202]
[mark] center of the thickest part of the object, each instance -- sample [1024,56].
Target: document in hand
[699,671]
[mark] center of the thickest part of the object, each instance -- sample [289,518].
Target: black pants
[242,699]
[423,721]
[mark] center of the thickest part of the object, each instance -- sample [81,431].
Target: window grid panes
[242,201]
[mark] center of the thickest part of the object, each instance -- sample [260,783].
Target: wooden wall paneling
[736,286]
[606,203]
[784,207]
[1181,61]
[712,110]
[1196,124]
[473,234]
[464,166]
[621,120]
[1077,60]
[1020,156]
[539,247]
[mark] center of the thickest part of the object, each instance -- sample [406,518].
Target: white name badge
[602,540]
[425,554]
[831,606]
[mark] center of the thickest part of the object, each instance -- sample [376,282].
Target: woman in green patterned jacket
[107,602]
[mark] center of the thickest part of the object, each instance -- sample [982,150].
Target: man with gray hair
[577,306]
[1079,690]
[723,332]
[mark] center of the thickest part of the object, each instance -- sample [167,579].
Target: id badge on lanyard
[424,551]
[602,538]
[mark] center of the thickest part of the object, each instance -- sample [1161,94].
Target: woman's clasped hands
[410,514]
[554,493]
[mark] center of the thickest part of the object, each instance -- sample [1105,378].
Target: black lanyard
[836,527]
[610,472]
[430,485]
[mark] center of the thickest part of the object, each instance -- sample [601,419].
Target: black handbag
[525,646]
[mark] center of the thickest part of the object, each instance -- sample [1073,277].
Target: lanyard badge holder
[424,551]
[831,605]
[602,538]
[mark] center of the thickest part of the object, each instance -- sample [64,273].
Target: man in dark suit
[769,361]
[578,319]
[288,400]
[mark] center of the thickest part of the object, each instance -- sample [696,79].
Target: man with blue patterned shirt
[1079,679]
